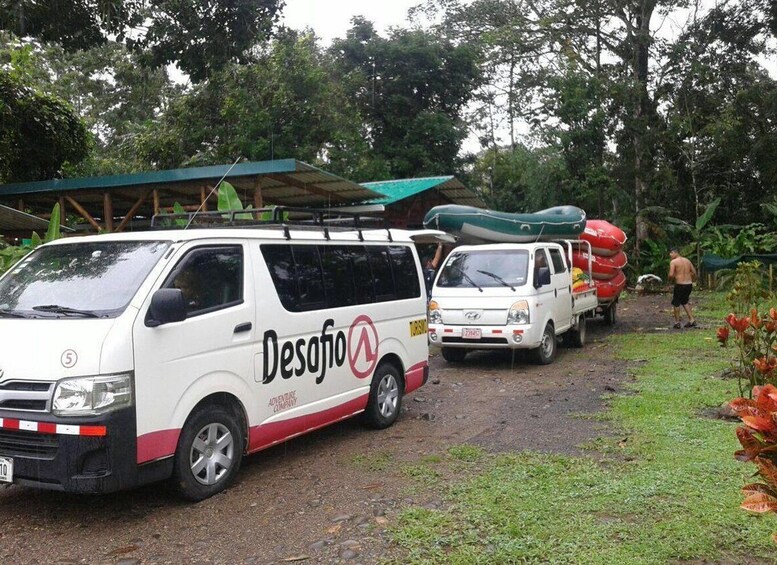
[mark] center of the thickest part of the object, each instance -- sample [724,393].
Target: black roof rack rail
[278,216]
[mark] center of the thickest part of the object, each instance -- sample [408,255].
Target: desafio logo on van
[322,352]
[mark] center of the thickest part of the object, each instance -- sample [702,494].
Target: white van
[509,296]
[130,358]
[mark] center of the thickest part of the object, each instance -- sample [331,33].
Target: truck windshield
[94,279]
[499,267]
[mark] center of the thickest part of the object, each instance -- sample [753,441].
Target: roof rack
[276,216]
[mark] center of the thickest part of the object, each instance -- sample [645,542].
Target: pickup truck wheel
[545,353]
[385,399]
[453,354]
[576,336]
[209,452]
[611,314]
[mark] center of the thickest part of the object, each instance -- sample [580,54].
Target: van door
[210,351]
[561,282]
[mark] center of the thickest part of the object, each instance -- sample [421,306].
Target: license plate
[470,333]
[6,470]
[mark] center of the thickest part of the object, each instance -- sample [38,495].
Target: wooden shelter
[126,202]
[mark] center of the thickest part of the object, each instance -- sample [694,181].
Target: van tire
[575,337]
[546,352]
[385,400]
[453,354]
[199,470]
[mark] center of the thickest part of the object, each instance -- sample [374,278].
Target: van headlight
[435,316]
[88,396]
[519,313]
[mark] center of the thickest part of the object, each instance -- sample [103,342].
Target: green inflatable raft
[478,225]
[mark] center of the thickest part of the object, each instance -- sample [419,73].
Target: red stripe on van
[267,435]
[414,376]
[157,444]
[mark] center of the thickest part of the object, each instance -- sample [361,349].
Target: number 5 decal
[69,359]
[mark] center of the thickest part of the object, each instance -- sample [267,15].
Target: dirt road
[328,497]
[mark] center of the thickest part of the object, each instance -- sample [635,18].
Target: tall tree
[38,133]
[202,36]
[411,88]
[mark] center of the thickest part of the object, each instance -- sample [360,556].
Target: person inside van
[430,269]
[540,260]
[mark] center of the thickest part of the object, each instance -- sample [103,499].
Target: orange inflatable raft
[602,267]
[608,290]
[605,238]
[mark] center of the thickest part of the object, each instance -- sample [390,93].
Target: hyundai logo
[472,316]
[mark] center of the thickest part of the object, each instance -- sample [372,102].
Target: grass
[664,490]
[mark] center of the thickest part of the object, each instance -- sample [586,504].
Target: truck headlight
[87,396]
[435,316]
[519,313]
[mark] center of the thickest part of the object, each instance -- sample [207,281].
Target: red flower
[755,319]
[773,314]
[739,324]
[765,365]
[723,334]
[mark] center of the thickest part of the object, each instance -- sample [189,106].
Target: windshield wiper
[498,279]
[11,313]
[466,276]
[57,309]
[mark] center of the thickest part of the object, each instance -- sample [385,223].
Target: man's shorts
[682,292]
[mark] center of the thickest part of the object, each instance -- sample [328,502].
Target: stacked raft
[607,258]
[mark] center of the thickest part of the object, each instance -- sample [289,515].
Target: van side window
[405,272]
[308,279]
[559,265]
[314,277]
[211,278]
[338,275]
[382,279]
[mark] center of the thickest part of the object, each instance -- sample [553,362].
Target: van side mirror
[167,305]
[543,277]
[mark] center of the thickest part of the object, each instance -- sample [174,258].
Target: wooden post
[108,211]
[21,205]
[155,195]
[84,214]
[258,197]
[132,212]
[62,213]
[204,197]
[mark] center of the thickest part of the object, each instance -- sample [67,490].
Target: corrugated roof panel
[396,190]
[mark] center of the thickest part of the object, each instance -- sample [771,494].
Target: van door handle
[556,291]
[243,327]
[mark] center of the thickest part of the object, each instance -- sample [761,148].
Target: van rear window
[315,277]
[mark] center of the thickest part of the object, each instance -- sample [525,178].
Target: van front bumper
[86,455]
[490,337]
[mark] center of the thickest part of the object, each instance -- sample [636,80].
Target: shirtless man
[682,272]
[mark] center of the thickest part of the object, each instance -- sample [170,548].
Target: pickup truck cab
[509,295]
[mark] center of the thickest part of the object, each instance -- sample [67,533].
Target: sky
[331,19]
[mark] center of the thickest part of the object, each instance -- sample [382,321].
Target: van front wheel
[209,452]
[385,400]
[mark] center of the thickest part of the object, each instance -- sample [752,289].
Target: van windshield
[94,279]
[500,267]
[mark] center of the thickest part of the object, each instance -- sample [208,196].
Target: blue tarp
[711,263]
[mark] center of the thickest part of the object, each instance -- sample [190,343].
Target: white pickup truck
[509,295]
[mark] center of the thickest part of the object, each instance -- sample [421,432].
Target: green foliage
[749,289]
[203,36]
[38,133]
[12,254]
[732,241]
[755,336]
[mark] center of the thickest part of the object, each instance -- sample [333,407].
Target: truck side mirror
[543,277]
[167,305]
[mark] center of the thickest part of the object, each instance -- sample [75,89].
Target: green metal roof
[396,190]
[294,181]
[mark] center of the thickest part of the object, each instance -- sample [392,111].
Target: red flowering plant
[758,437]
[755,337]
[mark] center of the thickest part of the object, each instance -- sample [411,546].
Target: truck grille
[31,396]
[16,443]
[483,340]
